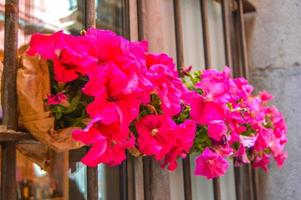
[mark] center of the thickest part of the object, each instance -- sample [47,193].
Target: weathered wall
[274,37]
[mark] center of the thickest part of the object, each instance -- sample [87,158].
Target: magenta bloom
[217,129]
[109,143]
[210,164]
[203,111]
[184,140]
[165,81]
[215,85]
[156,135]
[55,99]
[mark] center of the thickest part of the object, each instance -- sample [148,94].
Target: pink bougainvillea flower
[262,162]
[280,159]
[205,111]
[59,98]
[241,89]
[210,164]
[46,45]
[166,83]
[115,95]
[156,135]
[109,142]
[185,134]
[217,129]
[215,85]
[265,96]
[241,156]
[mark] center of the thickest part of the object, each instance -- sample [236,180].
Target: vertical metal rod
[180,65]
[140,18]
[179,34]
[243,42]
[226,32]
[187,178]
[147,169]
[123,181]
[205,27]
[251,174]
[9,99]
[228,57]
[250,182]
[237,179]
[90,14]
[147,162]
[92,183]
[255,184]
[207,56]
[92,172]
[123,169]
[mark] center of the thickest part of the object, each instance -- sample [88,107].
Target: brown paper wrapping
[33,87]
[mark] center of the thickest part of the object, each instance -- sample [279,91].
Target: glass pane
[109,15]
[192,34]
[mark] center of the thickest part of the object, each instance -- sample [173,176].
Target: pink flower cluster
[139,102]
[123,79]
[238,124]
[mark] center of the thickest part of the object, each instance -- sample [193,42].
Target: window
[189,38]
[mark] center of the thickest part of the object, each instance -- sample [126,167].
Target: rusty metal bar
[9,98]
[225,4]
[255,184]
[205,27]
[123,181]
[243,42]
[92,172]
[147,163]
[180,65]
[92,183]
[90,14]
[147,177]
[14,136]
[123,169]
[207,56]
[140,18]
[179,34]
[237,179]
[226,32]
[187,178]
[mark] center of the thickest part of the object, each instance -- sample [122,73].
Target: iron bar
[14,136]
[9,98]
[226,32]
[147,162]
[179,34]
[123,180]
[205,29]
[187,178]
[255,184]
[237,179]
[90,14]
[140,18]
[243,42]
[123,169]
[228,58]
[92,172]
[207,57]
[180,65]
[92,183]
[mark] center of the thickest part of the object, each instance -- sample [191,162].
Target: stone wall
[274,43]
